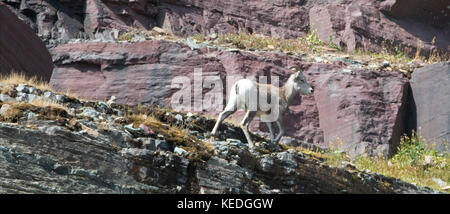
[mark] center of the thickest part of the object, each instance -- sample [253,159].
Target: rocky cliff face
[364,109]
[411,26]
[369,106]
[83,147]
[368,24]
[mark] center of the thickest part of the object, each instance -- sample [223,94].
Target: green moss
[128,36]
[199,37]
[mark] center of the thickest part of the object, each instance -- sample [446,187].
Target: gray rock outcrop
[431,93]
[64,151]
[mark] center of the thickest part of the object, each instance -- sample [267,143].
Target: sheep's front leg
[280,126]
[244,126]
[269,125]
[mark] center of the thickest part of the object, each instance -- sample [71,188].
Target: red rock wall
[279,19]
[364,110]
[397,26]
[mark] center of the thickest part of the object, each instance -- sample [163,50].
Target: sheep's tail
[236,88]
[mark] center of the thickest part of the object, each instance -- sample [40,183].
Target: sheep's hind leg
[244,126]
[222,116]
[269,125]
[281,133]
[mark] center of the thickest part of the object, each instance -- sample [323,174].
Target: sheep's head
[299,82]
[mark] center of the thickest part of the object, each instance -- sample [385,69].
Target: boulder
[431,94]
[53,21]
[20,49]
[58,22]
[105,19]
[434,12]
[364,112]
[391,25]
[364,109]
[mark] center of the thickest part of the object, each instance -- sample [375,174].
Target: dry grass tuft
[48,103]
[44,110]
[311,43]
[136,34]
[16,78]
[11,113]
[9,81]
[173,134]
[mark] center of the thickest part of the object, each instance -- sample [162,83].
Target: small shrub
[199,37]
[418,50]
[411,150]
[333,45]
[313,40]
[128,36]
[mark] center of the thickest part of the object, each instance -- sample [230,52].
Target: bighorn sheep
[239,99]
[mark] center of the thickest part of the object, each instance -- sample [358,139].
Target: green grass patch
[414,162]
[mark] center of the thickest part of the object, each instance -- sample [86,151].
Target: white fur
[245,88]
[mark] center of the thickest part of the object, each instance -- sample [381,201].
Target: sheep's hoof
[251,145]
